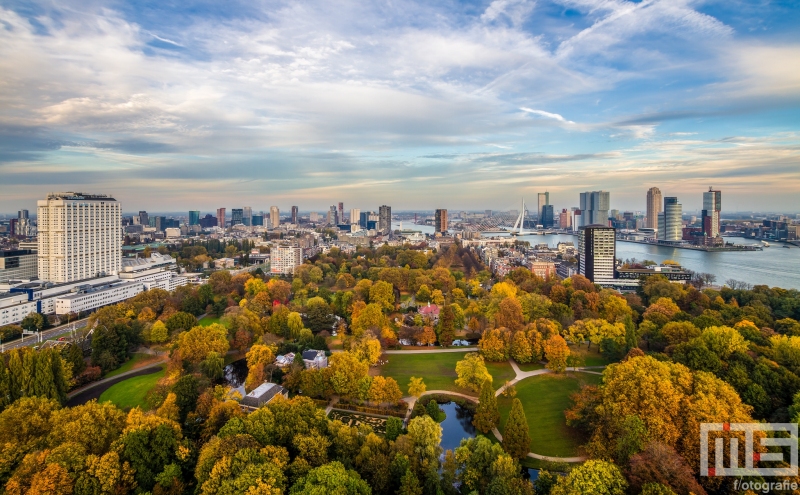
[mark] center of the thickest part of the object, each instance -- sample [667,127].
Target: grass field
[531,366]
[136,361]
[130,393]
[544,398]
[437,370]
[207,320]
[590,357]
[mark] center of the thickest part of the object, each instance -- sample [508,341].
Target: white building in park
[89,297]
[157,271]
[80,236]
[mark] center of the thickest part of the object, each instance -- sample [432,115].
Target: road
[51,333]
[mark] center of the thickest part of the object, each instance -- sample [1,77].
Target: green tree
[159,333]
[446,328]
[33,322]
[594,476]
[472,372]
[331,478]
[516,438]
[213,366]
[409,484]
[382,294]
[180,321]
[487,416]
[394,427]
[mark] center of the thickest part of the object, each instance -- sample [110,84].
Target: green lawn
[530,366]
[135,361]
[438,370]
[590,357]
[207,320]
[544,398]
[130,393]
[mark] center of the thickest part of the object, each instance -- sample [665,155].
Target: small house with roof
[314,359]
[431,311]
[261,395]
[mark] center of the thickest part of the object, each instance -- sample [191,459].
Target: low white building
[154,272]
[14,307]
[90,297]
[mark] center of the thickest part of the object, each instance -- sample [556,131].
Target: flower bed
[378,425]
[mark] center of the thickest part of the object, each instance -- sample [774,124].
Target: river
[774,266]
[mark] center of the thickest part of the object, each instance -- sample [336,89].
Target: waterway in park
[775,266]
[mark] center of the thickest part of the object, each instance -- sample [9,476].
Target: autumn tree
[472,372]
[556,352]
[509,314]
[416,387]
[347,374]
[516,437]
[195,345]
[494,345]
[331,478]
[382,294]
[446,326]
[371,317]
[487,416]
[384,390]
[521,350]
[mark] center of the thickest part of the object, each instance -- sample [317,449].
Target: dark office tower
[144,219]
[333,216]
[385,218]
[594,208]
[258,220]
[295,211]
[237,216]
[194,217]
[340,217]
[22,214]
[208,221]
[221,217]
[441,221]
[160,223]
[363,219]
[548,217]
[597,247]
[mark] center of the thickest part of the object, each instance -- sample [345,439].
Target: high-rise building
[385,218]
[274,217]
[363,219]
[208,221]
[670,222]
[355,216]
[237,216]
[547,219]
[333,216]
[284,259]
[144,219]
[441,221]
[544,200]
[221,217]
[258,220]
[80,236]
[594,208]
[597,247]
[340,218]
[295,211]
[565,219]
[194,217]
[653,207]
[712,206]
[247,216]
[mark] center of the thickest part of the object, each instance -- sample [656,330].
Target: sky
[172,105]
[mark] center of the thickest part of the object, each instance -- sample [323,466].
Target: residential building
[594,208]
[385,219]
[18,264]
[653,207]
[355,216]
[194,217]
[284,259]
[221,218]
[544,200]
[247,216]
[295,211]
[274,217]
[712,207]
[314,359]
[565,219]
[670,221]
[237,216]
[440,224]
[80,236]
[542,269]
[597,248]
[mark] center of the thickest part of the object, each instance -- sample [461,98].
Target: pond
[235,374]
[458,426]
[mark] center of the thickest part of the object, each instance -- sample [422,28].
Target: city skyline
[311,103]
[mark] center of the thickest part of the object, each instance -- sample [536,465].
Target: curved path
[95,389]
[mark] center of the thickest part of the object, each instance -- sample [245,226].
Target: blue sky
[172,105]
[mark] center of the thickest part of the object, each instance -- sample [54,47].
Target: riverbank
[708,249]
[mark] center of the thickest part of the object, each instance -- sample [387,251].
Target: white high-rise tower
[80,236]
